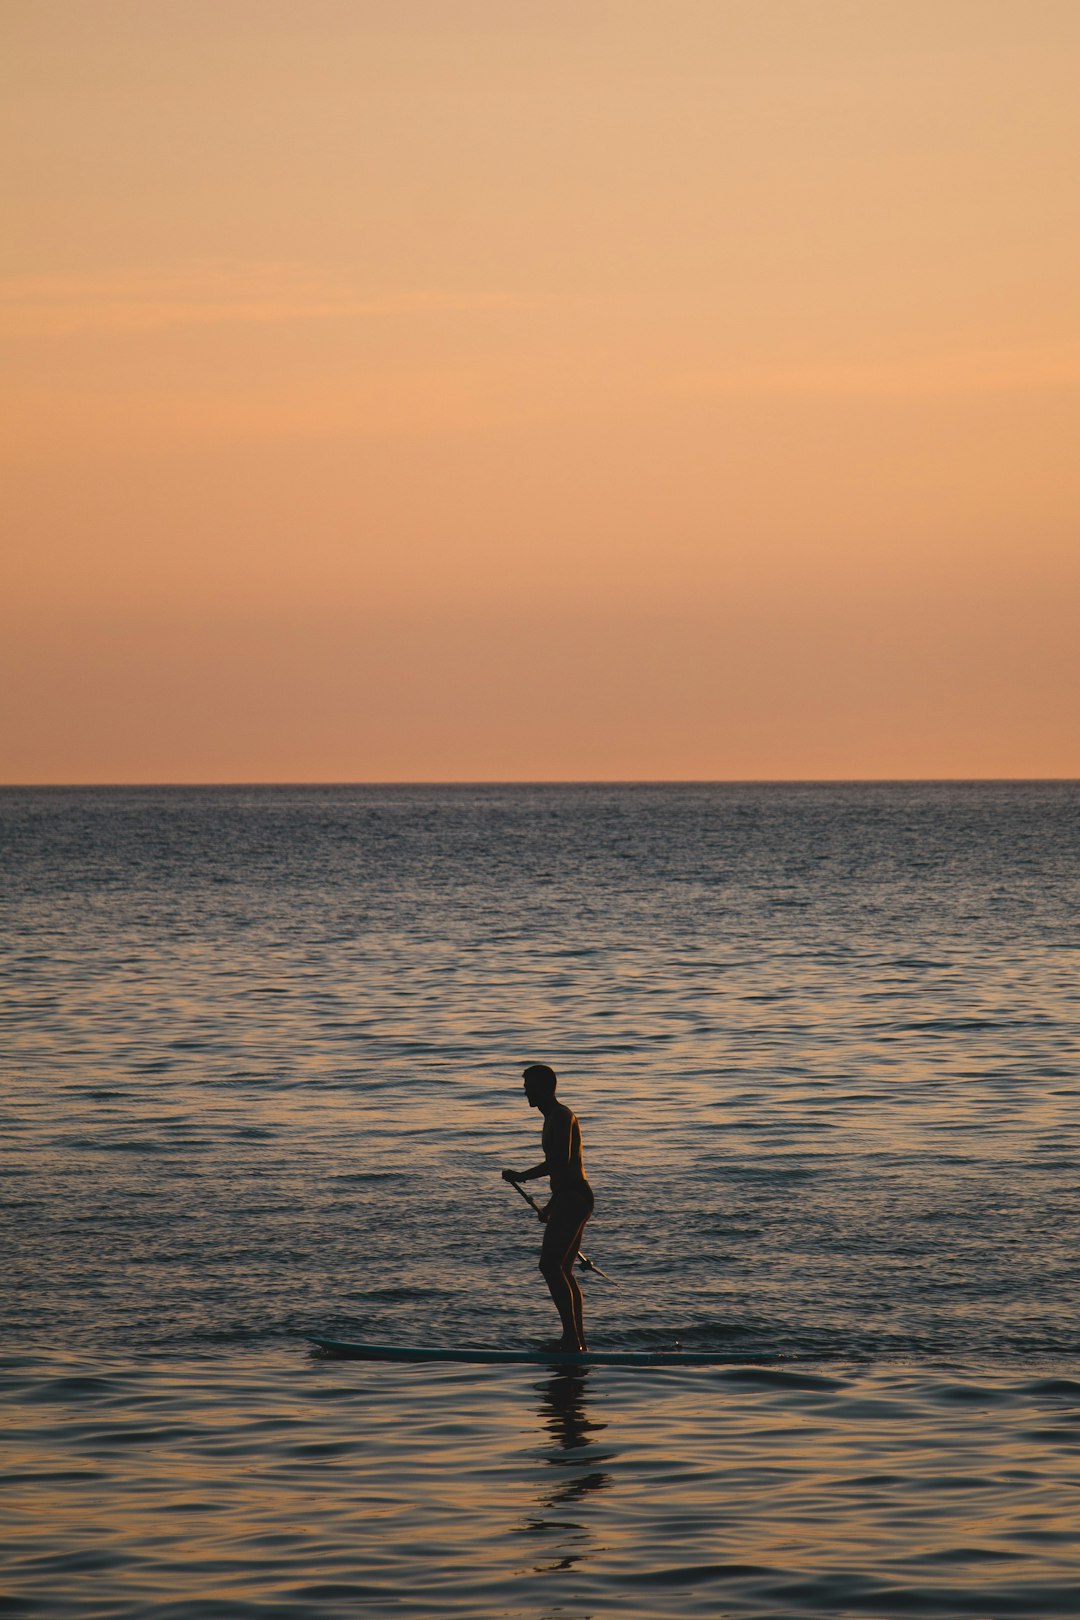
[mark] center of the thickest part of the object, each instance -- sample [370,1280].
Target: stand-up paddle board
[534,1358]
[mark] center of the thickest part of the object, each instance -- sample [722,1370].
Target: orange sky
[523,389]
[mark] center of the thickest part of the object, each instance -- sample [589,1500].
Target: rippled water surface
[265,1051]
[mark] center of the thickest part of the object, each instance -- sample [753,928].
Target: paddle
[590,1265]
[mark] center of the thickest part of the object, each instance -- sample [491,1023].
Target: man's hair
[541,1078]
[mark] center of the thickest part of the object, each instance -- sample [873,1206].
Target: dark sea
[263,1053]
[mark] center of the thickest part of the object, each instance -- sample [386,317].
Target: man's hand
[511,1176]
[542,1214]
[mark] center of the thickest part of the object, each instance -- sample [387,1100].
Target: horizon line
[534,782]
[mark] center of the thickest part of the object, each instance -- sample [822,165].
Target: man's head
[540,1084]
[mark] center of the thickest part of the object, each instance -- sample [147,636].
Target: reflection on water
[264,1057]
[573,1453]
[266,1484]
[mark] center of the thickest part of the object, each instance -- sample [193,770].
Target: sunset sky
[540,389]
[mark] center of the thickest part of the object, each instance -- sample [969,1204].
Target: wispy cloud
[60,306]
[944,372]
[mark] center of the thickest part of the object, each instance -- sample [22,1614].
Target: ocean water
[263,1055]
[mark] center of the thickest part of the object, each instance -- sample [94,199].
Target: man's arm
[534,1174]
[557,1141]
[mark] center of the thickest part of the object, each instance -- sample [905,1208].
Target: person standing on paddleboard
[571,1201]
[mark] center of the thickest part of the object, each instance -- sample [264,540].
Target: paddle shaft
[590,1265]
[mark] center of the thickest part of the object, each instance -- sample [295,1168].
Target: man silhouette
[570,1205]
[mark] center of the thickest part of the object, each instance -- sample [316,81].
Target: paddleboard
[533,1358]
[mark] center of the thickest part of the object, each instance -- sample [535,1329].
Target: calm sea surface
[263,1055]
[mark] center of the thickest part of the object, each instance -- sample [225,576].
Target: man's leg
[561,1292]
[557,1258]
[575,1290]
